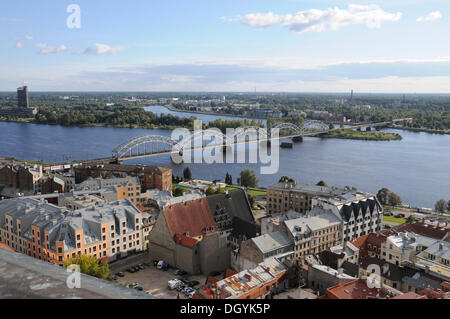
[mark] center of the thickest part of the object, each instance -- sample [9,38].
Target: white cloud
[331,19]
[47,49]
[431,17]
[100,49]
[19,45]
[29,37]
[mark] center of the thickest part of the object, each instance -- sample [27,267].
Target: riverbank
[173,109]
[425,130]
[365,136]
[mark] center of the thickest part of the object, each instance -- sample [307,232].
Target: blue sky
[227,45]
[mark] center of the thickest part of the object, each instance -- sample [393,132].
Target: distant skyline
[396,46]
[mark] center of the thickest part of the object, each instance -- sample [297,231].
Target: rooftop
[24,277]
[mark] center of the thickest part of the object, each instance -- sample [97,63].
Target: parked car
[188,291]
[136,268]
[155,263]
[120,274]
[180,272]
[160,264]
[131,270]
[165,267]
[174,284]
[115,277]
[139,288]
[185,281]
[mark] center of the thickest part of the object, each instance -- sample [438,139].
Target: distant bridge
[155,145]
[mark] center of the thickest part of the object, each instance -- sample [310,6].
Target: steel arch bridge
[136,143]
[155,144]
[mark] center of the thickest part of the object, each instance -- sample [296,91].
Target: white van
[160,264]
[174,284]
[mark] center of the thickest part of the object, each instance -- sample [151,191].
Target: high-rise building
[22,96]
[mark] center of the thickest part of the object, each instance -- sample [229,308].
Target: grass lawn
[394,220]
[249,192]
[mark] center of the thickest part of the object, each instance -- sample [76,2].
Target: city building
[258,249]
[54,234]
[314,234]
[150,177]
[360,213]
[358,289]
[321,277]
[285,196]
[186,236]
[22,97]
[75,202]
[261,282]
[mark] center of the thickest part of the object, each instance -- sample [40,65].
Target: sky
[392,46]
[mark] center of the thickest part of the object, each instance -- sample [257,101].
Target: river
[417,167]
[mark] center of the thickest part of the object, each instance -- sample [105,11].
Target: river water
[417,167]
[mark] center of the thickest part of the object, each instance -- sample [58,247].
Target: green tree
[322,183]
[440,206]
[251,200]
[448,206]
[89,265]
[248,178]
[383,195]
[178,192]
[229,179]
[287,179]
[394,200]
[187,174]
[410,220]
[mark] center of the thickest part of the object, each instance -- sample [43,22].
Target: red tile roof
[355,289]
[410,295]
[229,273]
[360,242]
[191,218]
[183,240]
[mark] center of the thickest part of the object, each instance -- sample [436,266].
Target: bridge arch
[134,144]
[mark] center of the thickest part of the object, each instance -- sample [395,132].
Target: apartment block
[53,234]
[283,197]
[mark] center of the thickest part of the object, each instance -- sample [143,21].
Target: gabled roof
[235,204]
[192,218]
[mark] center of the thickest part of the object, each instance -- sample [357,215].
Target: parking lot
[155,281]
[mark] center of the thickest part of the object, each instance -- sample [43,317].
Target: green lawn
[249,192]
[394,220]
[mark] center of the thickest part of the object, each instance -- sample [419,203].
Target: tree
[248,178]
[229,179]
[322,183]
[448,206]
[89,265]
[440,206]
[187,174]
[383,195]
[251,200]
[178,192]
[394,200]
[287,179]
